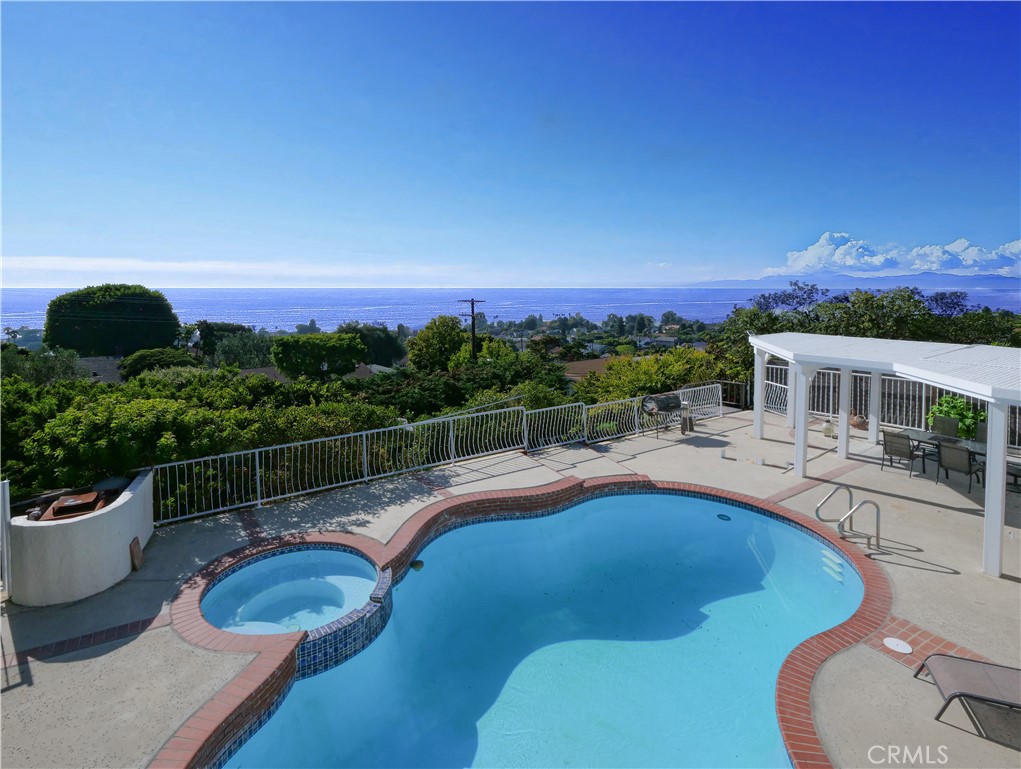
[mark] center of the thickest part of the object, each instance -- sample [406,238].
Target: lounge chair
[973,681]
[959,459]
[898,445]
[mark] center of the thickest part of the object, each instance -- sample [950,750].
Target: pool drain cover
[723,516]
[897,645]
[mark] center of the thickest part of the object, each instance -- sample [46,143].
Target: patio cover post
[803,376]
[844,413]
[875,407]
[996,488]
[759,396]
[792,392]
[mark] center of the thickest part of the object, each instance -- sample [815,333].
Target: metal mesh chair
[959,459]
[945,425]
[898,445]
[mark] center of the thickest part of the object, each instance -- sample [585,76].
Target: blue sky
[511,144]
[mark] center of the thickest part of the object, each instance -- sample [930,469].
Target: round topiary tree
[111,319]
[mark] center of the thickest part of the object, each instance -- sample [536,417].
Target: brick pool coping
[242,705]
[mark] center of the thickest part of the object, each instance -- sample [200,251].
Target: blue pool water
[296,590]
[628,631]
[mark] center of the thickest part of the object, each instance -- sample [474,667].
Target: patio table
[975,447]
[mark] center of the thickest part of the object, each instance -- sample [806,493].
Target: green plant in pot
[956,407]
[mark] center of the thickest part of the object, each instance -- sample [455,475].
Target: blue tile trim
[327,646]
[242,737]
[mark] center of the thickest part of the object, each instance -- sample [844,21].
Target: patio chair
[900,446]
[974,681]
[959,459]
[981,432]
[945,425]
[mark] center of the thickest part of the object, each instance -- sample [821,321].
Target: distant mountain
[835,280]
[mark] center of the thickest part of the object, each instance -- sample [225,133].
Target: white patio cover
[991,374]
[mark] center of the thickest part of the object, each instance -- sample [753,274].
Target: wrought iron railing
[195,487]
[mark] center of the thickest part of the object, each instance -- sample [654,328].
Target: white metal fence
[902,402]
[245,478]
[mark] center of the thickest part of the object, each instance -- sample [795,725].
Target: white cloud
[839,252]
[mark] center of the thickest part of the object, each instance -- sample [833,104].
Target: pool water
[628,631]
[296,590]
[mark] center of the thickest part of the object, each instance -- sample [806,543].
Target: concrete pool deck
[106,681]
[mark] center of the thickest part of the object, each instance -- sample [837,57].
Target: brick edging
[87,640]
[262,683]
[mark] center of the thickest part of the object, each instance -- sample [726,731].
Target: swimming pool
[634,630]
[294,589]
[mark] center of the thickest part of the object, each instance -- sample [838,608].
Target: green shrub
[956,407]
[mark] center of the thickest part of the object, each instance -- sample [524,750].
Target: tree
[639,323]
[799,297]
[614,325]
[308,328]
[491,352]
[317,356]
[111,319]
[245,350]
[147,360]
[947,304]
[384,346]
[212,332]
[40,367]
[896,314]
[432,348]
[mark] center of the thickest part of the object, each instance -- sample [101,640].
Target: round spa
[288,590]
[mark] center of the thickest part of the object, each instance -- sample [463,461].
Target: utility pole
[471,315]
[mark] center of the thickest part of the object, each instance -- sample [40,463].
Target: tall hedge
[112,319]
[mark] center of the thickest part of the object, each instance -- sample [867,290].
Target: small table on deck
[975,447]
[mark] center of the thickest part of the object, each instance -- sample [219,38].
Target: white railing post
[524,428]
[451,442]
[365,456]
[258,479]
[638,409]
[5,534]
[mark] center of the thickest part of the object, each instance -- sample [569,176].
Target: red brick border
[922,642]
[203,736]
[103,636]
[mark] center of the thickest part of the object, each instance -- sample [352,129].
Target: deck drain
[897,645]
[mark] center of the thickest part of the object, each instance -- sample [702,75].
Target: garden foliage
[111,319]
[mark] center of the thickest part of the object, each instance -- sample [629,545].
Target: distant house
[362,371]
[666,342]
[271,371]
[579,369]
[366,370]
[103,368]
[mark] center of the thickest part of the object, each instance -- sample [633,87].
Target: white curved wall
[60,561]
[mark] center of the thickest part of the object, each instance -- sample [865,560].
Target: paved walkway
[105,682]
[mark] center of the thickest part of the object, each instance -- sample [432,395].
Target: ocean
[283,308]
